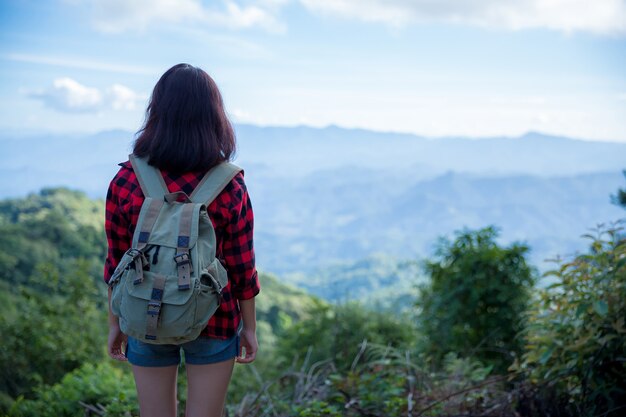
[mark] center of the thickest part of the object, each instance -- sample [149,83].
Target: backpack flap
[167,228]
[171,293]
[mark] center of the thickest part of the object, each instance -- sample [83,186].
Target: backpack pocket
[175,322]
[124,271]
[183,314]
[212,281]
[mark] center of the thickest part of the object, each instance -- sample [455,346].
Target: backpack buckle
[154,307]
[182,259]
[184,267]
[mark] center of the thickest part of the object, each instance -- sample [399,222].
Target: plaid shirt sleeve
[237,244]
[116,222]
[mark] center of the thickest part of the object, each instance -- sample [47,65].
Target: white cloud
[245,17]
[597,16]
[80,63]
[68,95]
[118,16]
[123,98]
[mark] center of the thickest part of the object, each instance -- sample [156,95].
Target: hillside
[378,281]
[54,227]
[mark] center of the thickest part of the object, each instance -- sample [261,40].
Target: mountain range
[327,196]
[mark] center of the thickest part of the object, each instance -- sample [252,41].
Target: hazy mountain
[303,222]
[334,195]
[304,150]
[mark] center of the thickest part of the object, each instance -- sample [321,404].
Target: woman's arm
[118,240]
[248,332]
[239,260]
[117,340]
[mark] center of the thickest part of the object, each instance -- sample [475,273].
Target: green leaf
[601,307]
[620,264]
[545,357]
[581,309]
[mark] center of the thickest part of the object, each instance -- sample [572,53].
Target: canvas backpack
[169,283]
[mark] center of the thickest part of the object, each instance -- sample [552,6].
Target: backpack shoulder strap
[214,182]
[149,177]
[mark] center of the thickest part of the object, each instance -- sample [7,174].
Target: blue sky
[434,68]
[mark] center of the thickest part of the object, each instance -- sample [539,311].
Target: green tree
[475,301]
[55,226]
[50,327]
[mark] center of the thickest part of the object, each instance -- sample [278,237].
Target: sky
[434,68]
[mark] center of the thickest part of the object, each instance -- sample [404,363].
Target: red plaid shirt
[232,218]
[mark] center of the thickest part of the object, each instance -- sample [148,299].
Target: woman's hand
[249,343]
[116,343]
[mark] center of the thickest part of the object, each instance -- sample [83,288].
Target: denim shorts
[202,351]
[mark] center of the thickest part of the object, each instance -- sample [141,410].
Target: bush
[475,301]
[381,382]
[102,387]
[576,340]
[336,332]
[49,328]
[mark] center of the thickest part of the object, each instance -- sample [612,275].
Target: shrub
[59,324]
[102,387]
[381,382]
[336,332]
[576,339]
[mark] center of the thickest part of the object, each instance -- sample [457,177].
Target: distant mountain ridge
[88,162]
[339,195]
[337,221]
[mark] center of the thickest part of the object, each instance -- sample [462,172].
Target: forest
[481,337]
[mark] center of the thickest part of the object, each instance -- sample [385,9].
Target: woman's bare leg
[156,389]
[206,388]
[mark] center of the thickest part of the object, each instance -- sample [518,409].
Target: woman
[185,134]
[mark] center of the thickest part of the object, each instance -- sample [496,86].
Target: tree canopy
[475,301]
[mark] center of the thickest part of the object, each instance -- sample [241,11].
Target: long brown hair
[186,127]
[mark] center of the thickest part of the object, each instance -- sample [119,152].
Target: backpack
[169,283]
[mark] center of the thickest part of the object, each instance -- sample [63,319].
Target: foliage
[55,226]
[322,333]
[280,305]
[382,381]
[102,387]
[335,333]
[576,340]
[50,327]
[475,301]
